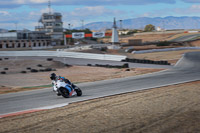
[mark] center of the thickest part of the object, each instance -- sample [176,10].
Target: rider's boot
[73,93]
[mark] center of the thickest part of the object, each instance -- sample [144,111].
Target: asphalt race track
[187,69]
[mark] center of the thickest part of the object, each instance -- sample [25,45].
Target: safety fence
[163,50]
[144,61]
[63,54]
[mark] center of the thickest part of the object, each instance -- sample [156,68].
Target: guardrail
[64,54]
[43,47]
[163,50]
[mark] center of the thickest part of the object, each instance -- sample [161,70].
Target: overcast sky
[26,13]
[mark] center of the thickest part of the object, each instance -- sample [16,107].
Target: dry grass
[150,37]
[195,43]
[145,38]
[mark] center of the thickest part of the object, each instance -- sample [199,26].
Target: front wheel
[78,91]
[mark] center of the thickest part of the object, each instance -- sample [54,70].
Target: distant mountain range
[168,23]
[3,30]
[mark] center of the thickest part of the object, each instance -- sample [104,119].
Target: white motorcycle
[65,89]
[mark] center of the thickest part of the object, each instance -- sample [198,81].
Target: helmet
[53,76]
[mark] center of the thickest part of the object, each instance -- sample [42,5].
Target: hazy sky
[26,13]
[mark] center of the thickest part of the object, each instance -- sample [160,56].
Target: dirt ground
[171,109]
[195,43]
[150,37]
[145,38]
[15,81]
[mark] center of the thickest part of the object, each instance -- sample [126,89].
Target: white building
[24,39]
[52,25]
[159,29]
[123,32]
[50,33]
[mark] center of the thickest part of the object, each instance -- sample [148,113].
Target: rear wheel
[64,92]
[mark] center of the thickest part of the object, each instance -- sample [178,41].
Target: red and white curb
[32,110]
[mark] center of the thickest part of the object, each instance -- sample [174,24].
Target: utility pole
[69,26]
[163,30]
[82,21]
[120,24]
[16,26]
[70,32]
[49,5]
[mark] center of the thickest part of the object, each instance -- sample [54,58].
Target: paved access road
[186,38]
[187,69]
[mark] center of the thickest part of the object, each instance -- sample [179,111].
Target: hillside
[169,23]
[3,30]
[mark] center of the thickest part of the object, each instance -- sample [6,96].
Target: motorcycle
[65,89]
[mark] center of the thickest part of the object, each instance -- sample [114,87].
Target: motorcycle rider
[54,77]
[61,83]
